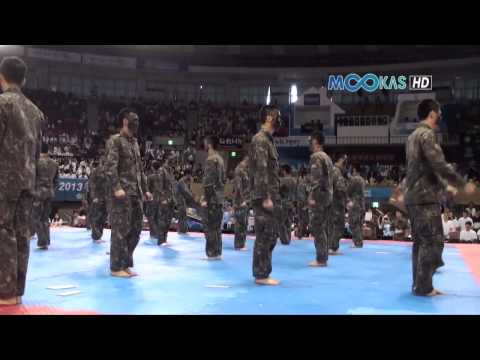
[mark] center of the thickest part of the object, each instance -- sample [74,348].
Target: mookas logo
[372,82]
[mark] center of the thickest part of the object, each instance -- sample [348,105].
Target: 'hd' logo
[420,82]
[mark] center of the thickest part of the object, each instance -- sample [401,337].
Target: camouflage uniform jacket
[356,191]
[21,125]
[47,175]
[427,171]
[214,179]
[263,167]
[241,184]
[321,178]
[123,166]
[161,186]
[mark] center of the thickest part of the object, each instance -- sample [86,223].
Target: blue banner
[378,193]
[70,190]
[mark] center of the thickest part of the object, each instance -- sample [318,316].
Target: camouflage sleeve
[144,181]
[246,194]
[3,124]
[111,165]
[92,184]
[150,186]
[210,178]
[317,173]
[260,179]
[434,155]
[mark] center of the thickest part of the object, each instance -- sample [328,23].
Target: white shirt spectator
[468,236]
[462,222]
[445,228]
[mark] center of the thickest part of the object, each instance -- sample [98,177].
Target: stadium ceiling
[280,55]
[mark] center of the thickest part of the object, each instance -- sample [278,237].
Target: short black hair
[468,223]
[426,106]
[318,136]
[44,149]
[14,70]
[212,140]
[267,110]
[123,114]
[156,165]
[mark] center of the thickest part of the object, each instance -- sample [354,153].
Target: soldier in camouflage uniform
[47,175]
[98,188]
[302,206]
[287,194]
[320,198]
[214,186]
[20,142]
[241,202]
[265,193]
[356,207]
[427,175]
[128,184]
[338,205]
[161,208]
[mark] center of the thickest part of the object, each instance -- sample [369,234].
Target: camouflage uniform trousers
[212,227]
[98,217]
[302,215]
[285,222]
[428,243]
[164,220]
[356,216]
[241,218]
[127,221]
[15,234]
[41,221]
[182,219]
[265,238]
[319,225]
[337,225]
[151,212]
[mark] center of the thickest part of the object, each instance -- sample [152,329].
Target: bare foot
[213,258]
[99,241]
[267,281]
[435,293]
[242,249]
[43,248]
[165,244]
[317,264]
[121,274]
[9,301]
[355,247]
[131,272]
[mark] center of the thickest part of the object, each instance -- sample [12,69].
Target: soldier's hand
[164,202]
[268,204]
[452,190]
[95,201]
[244,204]
[349,205]
[311,202]
[149,196]
[203,204]
[120,194]
[469,188]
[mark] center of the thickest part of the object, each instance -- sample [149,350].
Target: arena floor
[174,280]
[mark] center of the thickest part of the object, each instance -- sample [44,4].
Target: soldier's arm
[435,157]
[3,124]
[55,178]
[111,165]
[260,178]
[317,177]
